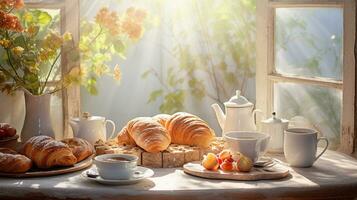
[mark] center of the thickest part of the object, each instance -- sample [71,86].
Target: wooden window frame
[70,16]
[266,75]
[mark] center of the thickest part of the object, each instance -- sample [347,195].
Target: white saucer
[145,173]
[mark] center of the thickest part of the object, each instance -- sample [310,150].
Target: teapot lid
[86,116]
[273,119]
[238,101]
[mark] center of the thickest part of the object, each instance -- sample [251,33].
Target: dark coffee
[115,159]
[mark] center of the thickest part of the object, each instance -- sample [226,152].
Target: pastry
[161,118]
[146,133]
[188,129]
[46,152]
[124,137]
[12,162]
[81,148]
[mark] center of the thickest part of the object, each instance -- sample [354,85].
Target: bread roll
[147,134]
[46,152]
[161,118]
[80,148]
[188,129]
[12,162]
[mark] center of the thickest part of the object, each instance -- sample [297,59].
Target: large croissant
[185,128]
[12,162]
[146,133]
[46,152]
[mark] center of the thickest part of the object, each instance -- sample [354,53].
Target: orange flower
[8,4]
[19,4]
[10,22]
[109,20]
[117,73]
[136,14]
[133,29]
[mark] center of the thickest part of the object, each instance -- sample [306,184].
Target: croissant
[124,137]
[147,134]
[46,152]
[161,118]
[188,129]
[12,162]
[80,148]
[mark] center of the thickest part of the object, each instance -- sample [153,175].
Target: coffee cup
[250,144]
[116,166]
[300,146]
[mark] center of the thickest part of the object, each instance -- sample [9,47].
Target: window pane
[321,106]
[308,42]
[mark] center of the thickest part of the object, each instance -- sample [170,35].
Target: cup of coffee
[300,146]
[251,144]
[116,166]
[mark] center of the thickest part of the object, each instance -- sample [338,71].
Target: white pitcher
[91,128]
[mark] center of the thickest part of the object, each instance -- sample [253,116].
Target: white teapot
[240,114]
[91,128]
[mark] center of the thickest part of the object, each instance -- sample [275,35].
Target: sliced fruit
[225,154]
[227,166]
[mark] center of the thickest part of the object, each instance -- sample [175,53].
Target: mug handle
[323,151]
[113,127]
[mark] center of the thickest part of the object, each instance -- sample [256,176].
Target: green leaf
[154,95]
[146,74]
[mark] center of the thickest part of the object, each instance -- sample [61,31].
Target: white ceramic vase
[37,116]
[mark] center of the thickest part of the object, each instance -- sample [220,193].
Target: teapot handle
[113,127]
[254,114]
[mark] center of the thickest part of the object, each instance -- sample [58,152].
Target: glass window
[308,42]
[320,106]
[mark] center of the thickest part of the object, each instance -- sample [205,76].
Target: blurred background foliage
[212,52]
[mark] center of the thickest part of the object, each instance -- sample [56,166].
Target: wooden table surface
[334,175]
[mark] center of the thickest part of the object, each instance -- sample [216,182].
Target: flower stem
[49,73]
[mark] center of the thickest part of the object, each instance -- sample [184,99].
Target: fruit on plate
[225,154]
[227,165]
[227,161]
[244,164]
[210,162]
[6,131]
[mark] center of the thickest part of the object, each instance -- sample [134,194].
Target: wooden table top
[334,175]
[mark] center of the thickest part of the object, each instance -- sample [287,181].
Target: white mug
[250,144]
[300,146]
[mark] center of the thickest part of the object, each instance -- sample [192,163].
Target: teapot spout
[221,117]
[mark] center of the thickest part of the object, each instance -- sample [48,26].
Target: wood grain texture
[275,172]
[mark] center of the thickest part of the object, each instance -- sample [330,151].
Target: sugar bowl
[275,127]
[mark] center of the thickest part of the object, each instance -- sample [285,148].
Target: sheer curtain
[191,54]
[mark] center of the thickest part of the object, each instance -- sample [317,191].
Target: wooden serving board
[277,171]
[51,172]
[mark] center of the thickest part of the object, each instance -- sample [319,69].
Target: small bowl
[9,142]
[251,144]
[111,169]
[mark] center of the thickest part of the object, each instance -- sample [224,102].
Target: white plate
[145,173]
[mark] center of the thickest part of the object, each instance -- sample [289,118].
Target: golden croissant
[46,152]
[161,118]
[188,129]
[146,133]
[12,162]
[81,148]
